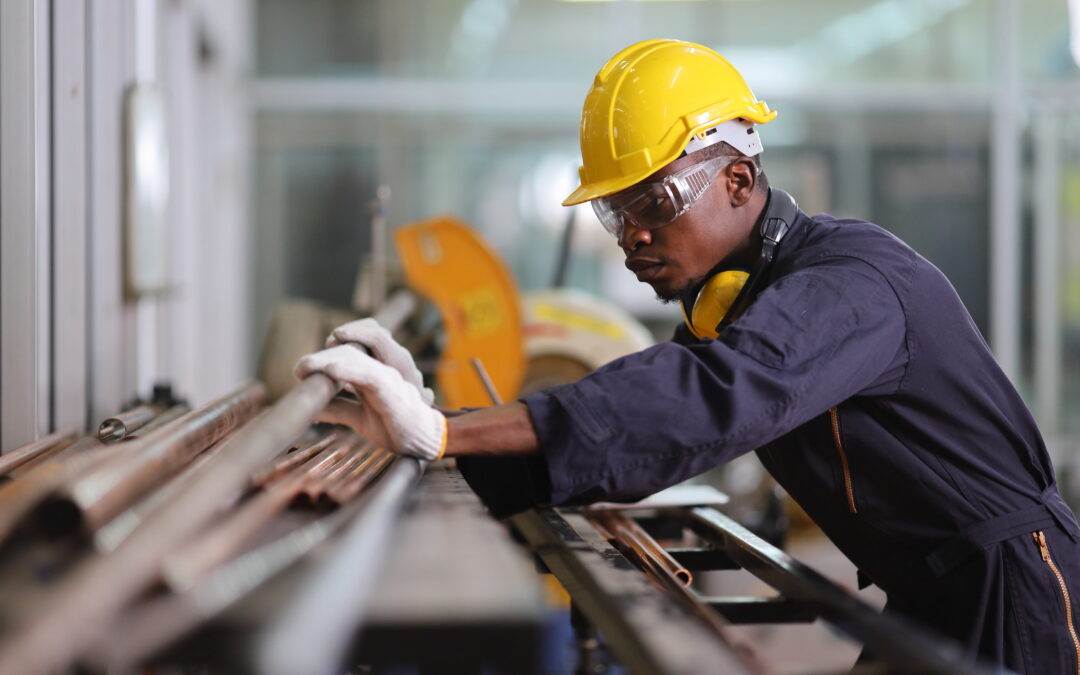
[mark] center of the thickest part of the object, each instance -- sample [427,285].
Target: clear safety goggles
[654,204]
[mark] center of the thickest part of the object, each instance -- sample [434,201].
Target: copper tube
[81,605]
[294,459]
[12,459]
[35,480]
[627,534]
[118,427]
[103,494]
[359,478]
[316,486]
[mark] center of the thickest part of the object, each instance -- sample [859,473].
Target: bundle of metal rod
[81,607]
[39,449]
[626,534]
[153,625]
[291,460]
[118,427]
[228,538]
[99,496]
[36,479]
[358,478]
[45,473]
[109,536]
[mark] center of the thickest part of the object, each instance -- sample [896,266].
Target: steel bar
[485,379]
[312,634]
[13,459]
[103,494]
[82,606]
[627,534]
[119,426]
[890,638]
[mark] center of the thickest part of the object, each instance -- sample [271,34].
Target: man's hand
[377,340]
[392,413]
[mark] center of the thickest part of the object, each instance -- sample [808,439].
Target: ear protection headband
[726,293]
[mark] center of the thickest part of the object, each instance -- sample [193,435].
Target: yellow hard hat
[647,103]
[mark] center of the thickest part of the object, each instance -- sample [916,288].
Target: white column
[25,222]
[1005,238]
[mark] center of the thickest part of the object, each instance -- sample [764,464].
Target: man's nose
[633,236]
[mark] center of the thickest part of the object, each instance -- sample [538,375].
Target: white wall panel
[69,115]
[24,222]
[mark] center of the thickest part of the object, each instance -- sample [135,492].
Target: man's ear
[741,177]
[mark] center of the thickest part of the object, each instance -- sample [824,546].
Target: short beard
[678,294]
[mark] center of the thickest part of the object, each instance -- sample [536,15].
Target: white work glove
[377,340]
[391,412]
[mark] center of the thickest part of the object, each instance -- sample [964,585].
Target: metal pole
[1005,194]
[1049,354]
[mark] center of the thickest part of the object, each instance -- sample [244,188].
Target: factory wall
[125,237]
[949,123]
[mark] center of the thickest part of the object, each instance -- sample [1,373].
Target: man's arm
[505,430]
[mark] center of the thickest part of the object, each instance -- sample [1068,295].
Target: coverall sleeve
[654,418]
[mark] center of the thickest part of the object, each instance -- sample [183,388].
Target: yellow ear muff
[713,302]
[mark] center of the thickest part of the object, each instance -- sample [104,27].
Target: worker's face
[676,256]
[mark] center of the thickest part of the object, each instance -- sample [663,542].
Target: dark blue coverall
[867,391]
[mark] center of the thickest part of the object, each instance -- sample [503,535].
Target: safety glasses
[650,205]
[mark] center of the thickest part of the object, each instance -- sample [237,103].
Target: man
[848,363]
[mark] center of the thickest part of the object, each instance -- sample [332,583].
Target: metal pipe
[317,486]
[153,625]
[82,606]
[311,635]
[625,533]
[35,480]
[103,494]
[293,459]
[13,459]
[108,536]
[359,478]
[485,379]
[168,416]
[187,566]
[118,427]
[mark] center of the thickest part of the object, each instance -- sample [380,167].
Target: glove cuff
[431,445]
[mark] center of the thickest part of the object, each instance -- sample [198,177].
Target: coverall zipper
[1044,550]
[834,417]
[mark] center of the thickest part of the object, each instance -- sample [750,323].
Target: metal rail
[645,627]
[897,643]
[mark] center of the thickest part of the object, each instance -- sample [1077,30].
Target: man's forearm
[500,430]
